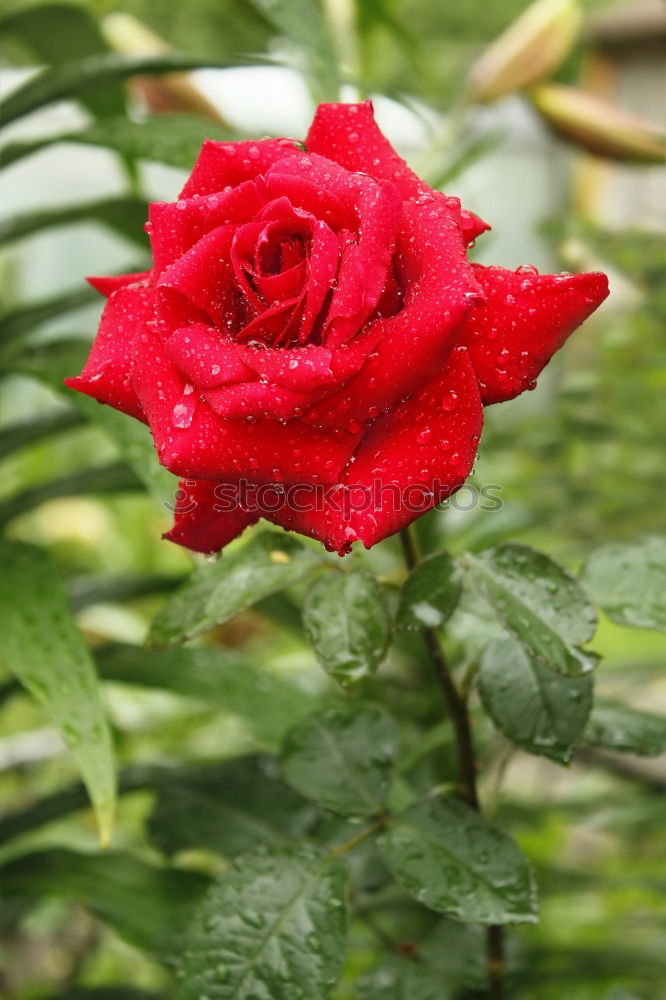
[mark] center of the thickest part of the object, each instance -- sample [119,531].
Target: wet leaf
[342,757]
[273,926]
[345,619]
[72,79]
[541,711]
[402,979]
[454,862]
[629,581]
[43,648]
[430,593]
[124,215]
[26,318]
[228,808]
[58,32]
[215,593]
[147,905]
[539,604]
[221,678]
[618,727]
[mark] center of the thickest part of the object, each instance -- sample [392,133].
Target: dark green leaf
[219,677]
[345,619]
[42,646]
[430,593]
[114,478]
[26,432]
[172,139]
[58,32]
[617,727]
[148,906]
[75,797]
[24,319]
[273,926]
[342,757]
[538,603]
[629,582]
[49,363]
[121,991]
[124,215]
[454,862]
[75,78]
[402,979]
[134,443]
[537,709]
[457,951]
[215,593]
[87,590]
[300,22]
[228,808]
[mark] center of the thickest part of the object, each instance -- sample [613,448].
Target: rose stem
[466,761]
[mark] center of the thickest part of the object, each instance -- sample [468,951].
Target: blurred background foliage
[579,462]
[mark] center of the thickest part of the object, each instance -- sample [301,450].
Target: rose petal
[195,443]
[321,202]
[440,290]
[417,454]
[107,284]
[256,400]
[206,357]
[526,318]
[207,517]
[106,374]
[349,134]
[175,226]
[364,268]
[222,163]
[204,277]
[302,369]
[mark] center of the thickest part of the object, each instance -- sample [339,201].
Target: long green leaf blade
[43,647]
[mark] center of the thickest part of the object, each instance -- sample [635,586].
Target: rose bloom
[312,345]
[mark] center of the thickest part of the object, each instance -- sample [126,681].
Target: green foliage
[538,603]
[262,811]
[42,646]
[456,863]
[537,709]
[217,592]
[345,619]
[430,593]
[247,937]
[629,582]
[342,758]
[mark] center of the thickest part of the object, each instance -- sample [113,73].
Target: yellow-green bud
[530,49]
[598,126]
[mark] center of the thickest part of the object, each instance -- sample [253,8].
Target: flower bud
[169,92]
[599,126]
[530,48]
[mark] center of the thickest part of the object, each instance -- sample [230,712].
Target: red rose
[312,344]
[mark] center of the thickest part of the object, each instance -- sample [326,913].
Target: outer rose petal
[107,284]
[526,318]
[349,134]
[193,442]
[409,461]
[440,291]
[199,522]
[425,448]
[222,163]
[106,375]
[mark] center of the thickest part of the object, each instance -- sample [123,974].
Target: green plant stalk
[495,960]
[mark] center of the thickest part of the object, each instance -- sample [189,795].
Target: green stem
[457,705]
